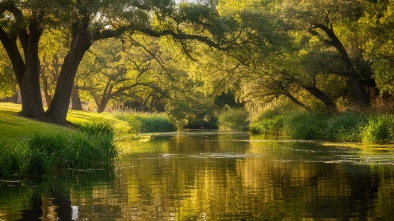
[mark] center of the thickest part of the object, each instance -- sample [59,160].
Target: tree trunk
[57,111]
[331,106]
[296,101]
[101,108]
[363,97]
[75,100]
[29,85]
[48,97]
[27,69]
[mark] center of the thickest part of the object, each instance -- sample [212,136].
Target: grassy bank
[366,128]
[30,147]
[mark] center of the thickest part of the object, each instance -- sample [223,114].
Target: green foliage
[270,123]
[97,126]
[345,127]
[193,109]
[78,151]
[14,155]
[50,153]
[379,129]
[147,123]
[234,119]
[305,125]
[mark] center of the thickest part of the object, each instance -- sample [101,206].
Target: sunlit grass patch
[32,147]
[378,130]
[14,125]
[147,123]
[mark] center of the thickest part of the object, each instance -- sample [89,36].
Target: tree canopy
[166,55]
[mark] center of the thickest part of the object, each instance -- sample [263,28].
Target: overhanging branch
[182,36]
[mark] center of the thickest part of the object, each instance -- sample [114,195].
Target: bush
[378,130]
[271,126]
[305,125]
[346,127]
[234,119]
[140,123]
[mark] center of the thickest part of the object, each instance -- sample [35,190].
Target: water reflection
[218,176]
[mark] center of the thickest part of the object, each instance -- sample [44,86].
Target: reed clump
[347,126]
[91,147]
[270,123]
[147,123]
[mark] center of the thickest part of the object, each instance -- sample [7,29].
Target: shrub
[346,127]
[378,129]
[140,123]
[271,126]
[305,125]
[155,123]
[234,119]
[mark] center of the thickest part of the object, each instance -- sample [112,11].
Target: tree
[377,29]
[321,18]
[8,85]
[113,70]
[27,28]
[84,22]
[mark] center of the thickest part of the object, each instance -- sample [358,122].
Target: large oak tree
[84,22]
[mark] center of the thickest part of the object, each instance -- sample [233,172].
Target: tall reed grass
[305,125]
[92,147]
[344,127]
[147,123]
[270,123]
[378,130]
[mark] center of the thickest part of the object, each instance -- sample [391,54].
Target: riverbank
[360,127]
[32,148]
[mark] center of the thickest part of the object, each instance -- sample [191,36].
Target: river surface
[198,175]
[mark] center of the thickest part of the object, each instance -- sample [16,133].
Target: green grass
[305,126]
[366,128]
[378,130]
[31,147]
[14,126]
[147,123]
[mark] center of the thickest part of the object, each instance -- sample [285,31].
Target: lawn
[12,125]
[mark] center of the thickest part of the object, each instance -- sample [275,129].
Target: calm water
[215,176]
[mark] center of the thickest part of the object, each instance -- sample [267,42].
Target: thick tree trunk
[101,108]
[57,111]
[27,68]
[75,100]
[29,85]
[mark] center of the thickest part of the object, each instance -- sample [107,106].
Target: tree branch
[182,36]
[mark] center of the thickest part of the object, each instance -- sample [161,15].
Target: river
[209,175]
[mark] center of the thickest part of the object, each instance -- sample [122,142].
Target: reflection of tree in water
[343,193]
[232,187]
[51,197]
[259,182]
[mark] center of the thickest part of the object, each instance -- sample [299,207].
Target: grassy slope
[14,126]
